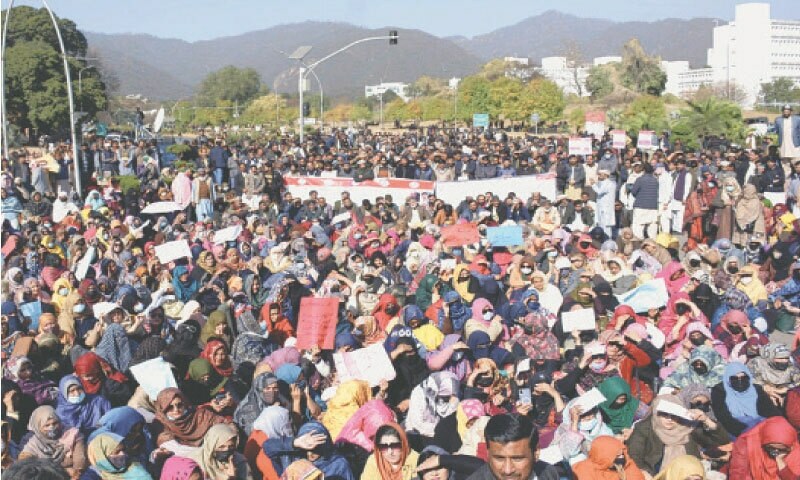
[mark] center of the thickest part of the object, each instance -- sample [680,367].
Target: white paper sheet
[153,376]
[582,319]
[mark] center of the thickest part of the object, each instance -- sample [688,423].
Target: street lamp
[301,52]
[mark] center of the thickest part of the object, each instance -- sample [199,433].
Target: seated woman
[662,436]
[263,393]
[621,408]
[608,460]
[131,426]
[49,439]
[356,439]
[110,460]
[203,381]
[179,424]
[99,378]
[391,458]
[76,409]
[431,401]
[768,451]
[218,458]
[313,443]
[704,366]
[578,430]
[274,422]
[349,397]
[21,371]
[464,417]
[685,467]
[738,403]
[181,468]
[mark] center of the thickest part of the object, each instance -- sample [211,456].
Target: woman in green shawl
[203,382]
[620,409]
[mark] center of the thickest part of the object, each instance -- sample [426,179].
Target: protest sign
[229,234]
[646,140]
[454,192]
[371,364]
[507,236]
[342,218]
[153,376]
[580,146]
[162,207]
[84,263]
[591,399]
[332,188]
[595,123]
[460,234]
[674,409]
[480,120]
[775,197]
[651,294]
[582,319]
[170,251]
[619,139]
[317,324]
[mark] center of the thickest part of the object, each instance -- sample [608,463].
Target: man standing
[218,158]
[605,189]
[682,182]
[788,128]
[512,442]
[645,206]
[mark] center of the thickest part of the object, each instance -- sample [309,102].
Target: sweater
[645,192]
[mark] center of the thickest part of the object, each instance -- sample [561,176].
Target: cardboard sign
[229,234]
[646,139]
[582,319]
[652,294]
[371,364]
[84,263]
[153,376]
[505,236]
[170,251]
[317,324]
[674,409]
[619,139]
[460,234]
[580,146]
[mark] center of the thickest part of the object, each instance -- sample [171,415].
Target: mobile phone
[525,396]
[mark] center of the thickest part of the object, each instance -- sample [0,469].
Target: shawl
[742,405]
[369,330]
[748,207]
[189,429]
[43,391]
[204,456]
[226,368]
[763,370]
[751,445]
[384,467]
[121,421]
[281,357]
[98,452]
[619,417]
[248,410]
[540,343]
[674,440]
[184,291]
[600,463]
[91,364]
[274,421]
[330,463]
[215,319]
[689,392]
[438,384]
[360,429]
[349,397]
[462,286]
[681,468]
[114,347]
[182,190]
[468,409]
[150,348]
[685,374]
[672,268]
[40,445]
[179,468]
[84,415]
[569,442]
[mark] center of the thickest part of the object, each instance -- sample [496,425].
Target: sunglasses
[389,446]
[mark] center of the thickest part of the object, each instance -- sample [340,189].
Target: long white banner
[454,192]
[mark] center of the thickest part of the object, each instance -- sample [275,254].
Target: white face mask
[488,316]
[746,280]
[525,270]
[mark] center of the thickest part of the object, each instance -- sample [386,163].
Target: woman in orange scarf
[767,451]
[608,460]
[391,459]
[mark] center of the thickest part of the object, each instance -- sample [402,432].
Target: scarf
[742,405]
[98,452]
[771,430]
[91,364]
[682,468]
[619,417]
[384,467]
[254,403]
[226,369]
[674,440]
[179,468]
[349,397]
[189,429]
[84,415]
[330,463]
[462,286]
[114,347]
[204,456]
[39,444]
[600,463]
[762,365]
[360,429]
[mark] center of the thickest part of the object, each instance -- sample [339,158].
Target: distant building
[520,60]
[605,60]
[749,51]
[453,83]
[399,88]
[557,70]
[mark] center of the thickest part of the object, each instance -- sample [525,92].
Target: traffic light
[392,37]
[306,109]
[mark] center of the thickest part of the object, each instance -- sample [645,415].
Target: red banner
[317,323]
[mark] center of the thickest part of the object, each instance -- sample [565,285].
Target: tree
[781,90]
[645,113]
[231,84]
[474,96]
[577,119]
[711,116]
[545,98]
[598,82]
[270,109]
[36,90]
[426,86]
[639,72]
[730,91]
[505,95]
[574,56]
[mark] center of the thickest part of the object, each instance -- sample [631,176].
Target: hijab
[384,467]
[360,429]
[254,403]
[83,415]
[349,397]
[114,347]
[674,440]
[771,430]
[40,389]
[330,463]
[599,465]
[100,449]
[619,417]
[681,468]
[217,435]
[275,422]
[179,468]
[189,429]
[184,291]
[226,369]
[91,364]
[463,286]
[39,444]
[742,405]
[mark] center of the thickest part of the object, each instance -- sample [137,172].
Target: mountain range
[163,68]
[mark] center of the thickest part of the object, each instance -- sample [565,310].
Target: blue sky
[193,20]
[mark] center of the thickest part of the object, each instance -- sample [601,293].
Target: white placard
[673,409]
[229,234]
[371,364]
[775,197]
[84,263]
[580,146]
[448,264]
[590,399]
[552,454]
[153,376]
[170,251]
[162,207]
[582,319]
[596,349]
[342,217]
[453,192]
[651,294]
[619,139]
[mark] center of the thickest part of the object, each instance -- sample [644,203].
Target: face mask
[598,365]
[682,309]
[729,188]
[733,269]
[392,309]
[223,456]
[607,155]
[694,263]
[533,306]
[700,369]
[588,425]
[119,461]
[457,252]
[76,399]
[780,365]
[79,308]
[457,356]
[175,418]
[697,341]
[552,254]
[740,384]
[488,316]
[526,270]
[484,381]
[63,292]
[52,434]
[442,406]
[358,236]
[735,329]
[620,462]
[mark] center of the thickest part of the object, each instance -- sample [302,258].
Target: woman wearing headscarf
[749,216]
[114,347]
[129,424]
[185,287]
[218,458]
[216,352]
[428,334]
[359,431]
[579,428]
[484,318]
[110,460]
[312,443]
[704,365]
[21,371]
[349,397]
[738,403]
[774,370]
[608,460]
[367,331]
[411,368]
[768,451]
[465,283]
[432,400]
[620,408]
[274,322]
[263,393]
[51,440]
[76,408]
[62,289]
[392,459]
[177,420]
[733,329]
[674,276]
[680,312]
[215,327]
[683,467]
[274,422]
[99,378]
[203,382]
[450,357]
[751,285]
[181,468]
[661,437]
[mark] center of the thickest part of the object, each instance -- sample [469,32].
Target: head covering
[681,468]
[84,415]
[763,365]
[120,420]
[468,409]
[179,468]
[39,443]
[189,429]
[330,463]
[600,463]
[619,417]
[274,421]
[771,430]
[689,392]
[226,368]
[254,403]
[302,470]
[384,468]
[361,427]
[742,405]
[91,364]
[101,448]
[349,397]
[204,456]
[114,347]
[674,440]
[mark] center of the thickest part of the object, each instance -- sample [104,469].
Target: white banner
[331,188]
[580,146]
[618,139]
[454,192]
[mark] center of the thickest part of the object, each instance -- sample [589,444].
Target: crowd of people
[699,381]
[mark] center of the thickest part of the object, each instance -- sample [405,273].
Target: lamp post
[304,70]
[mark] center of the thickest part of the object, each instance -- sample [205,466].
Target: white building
[453,83]
[749,51]
[598,61]
[399,88]
[520,60]
[557,70]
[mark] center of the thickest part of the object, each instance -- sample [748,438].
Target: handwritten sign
[371,364]
[580,146]
[317,324]
[618,139]
[460,234]
[170,251]
[505,236]
[582,319]
[229,234]
[646,139]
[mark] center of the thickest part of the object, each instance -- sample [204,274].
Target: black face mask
[484,381]
[700,369]
[740,384]
[694,263]
[392,309]
[619,462]
[697,341]
[223,456]
[733,269]
[735,329]
[587,336]
[702,406]
[780,366]
[682,309]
